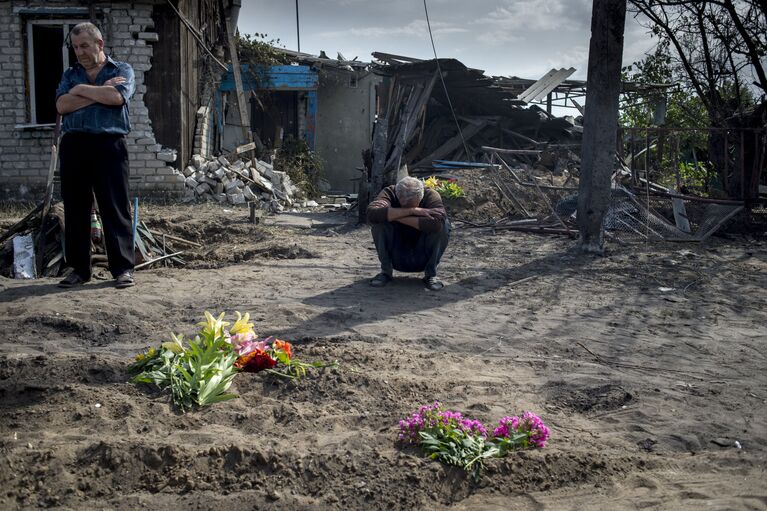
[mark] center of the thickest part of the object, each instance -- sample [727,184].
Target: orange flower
[283,346]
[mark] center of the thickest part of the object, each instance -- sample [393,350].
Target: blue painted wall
[281,78]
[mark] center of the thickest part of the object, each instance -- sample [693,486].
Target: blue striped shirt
[99,118]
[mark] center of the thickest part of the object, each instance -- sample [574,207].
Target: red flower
[255,361]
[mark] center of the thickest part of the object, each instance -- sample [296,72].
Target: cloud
[515,20]
[577,57]
[416,28]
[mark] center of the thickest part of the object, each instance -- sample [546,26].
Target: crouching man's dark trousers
[405,249]
[96,164]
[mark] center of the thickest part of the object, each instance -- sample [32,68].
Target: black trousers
[403,248]
[96,164]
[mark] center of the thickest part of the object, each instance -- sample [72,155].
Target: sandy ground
[646,390]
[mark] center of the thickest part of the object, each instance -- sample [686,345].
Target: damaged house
[328,103]
[435,111]
[171,46]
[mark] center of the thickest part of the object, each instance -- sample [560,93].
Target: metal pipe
[298,32]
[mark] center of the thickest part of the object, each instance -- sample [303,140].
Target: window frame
[66,26]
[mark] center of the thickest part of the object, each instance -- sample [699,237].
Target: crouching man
[410,231]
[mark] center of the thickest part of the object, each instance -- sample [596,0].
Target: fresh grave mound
[321,449]
[326,440]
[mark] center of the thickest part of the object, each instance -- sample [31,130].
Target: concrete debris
[167,155]
[239,182]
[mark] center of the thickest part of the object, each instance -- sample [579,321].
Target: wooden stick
[546,200]
[517,205]
[520,281]
[534,230]
[174,238]
[142,265]
[720,222]
[520,152]
[19,226]
[506,165]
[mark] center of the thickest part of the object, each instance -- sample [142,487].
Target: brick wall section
[202,136]
[25,152]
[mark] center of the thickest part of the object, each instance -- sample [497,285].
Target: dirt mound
[278,441]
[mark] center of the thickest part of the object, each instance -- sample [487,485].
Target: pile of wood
[422,112]
[151,246]
[542,197]
[239,182]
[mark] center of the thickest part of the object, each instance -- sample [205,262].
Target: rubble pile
[239,182]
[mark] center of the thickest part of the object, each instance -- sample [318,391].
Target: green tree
[715,49]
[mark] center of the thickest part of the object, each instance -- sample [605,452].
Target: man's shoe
[72,280]
[381,280]
[125,279]
[433,283]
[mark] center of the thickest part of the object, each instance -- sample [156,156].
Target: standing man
[410,231]
[93,98]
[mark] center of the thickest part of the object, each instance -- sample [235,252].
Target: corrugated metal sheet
[548,83]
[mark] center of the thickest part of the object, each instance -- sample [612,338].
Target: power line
[442,79]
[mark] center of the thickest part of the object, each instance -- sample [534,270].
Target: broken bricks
[238,182]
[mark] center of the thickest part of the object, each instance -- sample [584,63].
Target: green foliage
[198,375]
[258,52]
[447,189]
[255,49]
[303,166]
[684,109]
[454,446]
[696,175]
[451,191]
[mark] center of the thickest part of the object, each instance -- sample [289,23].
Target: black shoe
[73,280]
[125,279]
[381,280]
[433,283]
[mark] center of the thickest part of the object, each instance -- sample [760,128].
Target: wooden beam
[247,135]
[452,144]
[380,135]
[518,152]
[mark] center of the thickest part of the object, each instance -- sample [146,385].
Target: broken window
[47,57]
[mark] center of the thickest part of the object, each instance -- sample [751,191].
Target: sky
[524,38]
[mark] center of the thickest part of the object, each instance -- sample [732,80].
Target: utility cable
[197,35]
[444,87]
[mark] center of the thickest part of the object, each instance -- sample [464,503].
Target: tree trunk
[600,120]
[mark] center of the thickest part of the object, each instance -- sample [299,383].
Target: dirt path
[642,363]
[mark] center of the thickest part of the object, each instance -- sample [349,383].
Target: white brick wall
[25,153]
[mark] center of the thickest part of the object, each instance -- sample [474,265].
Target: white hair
[88,28]
[409,189]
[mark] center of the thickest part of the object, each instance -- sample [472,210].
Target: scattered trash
[23,257]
